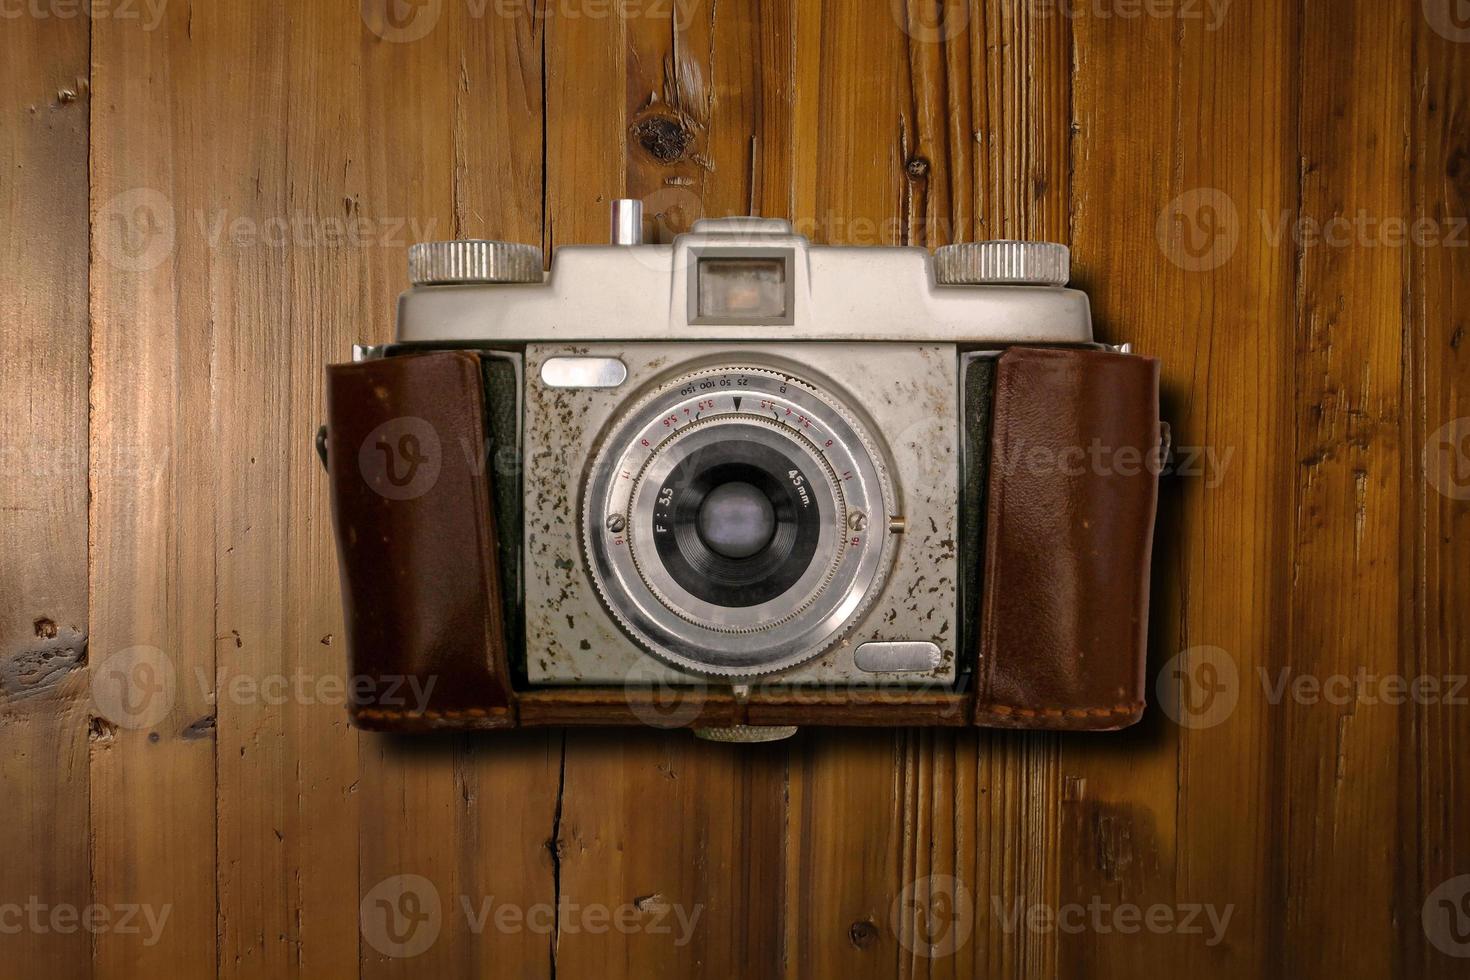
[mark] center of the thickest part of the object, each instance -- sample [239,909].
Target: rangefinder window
[734,287]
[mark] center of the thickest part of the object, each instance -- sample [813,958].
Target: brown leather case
[411,485]
[1063,597]
[1073,488]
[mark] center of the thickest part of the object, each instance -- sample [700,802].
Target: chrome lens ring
[717,414]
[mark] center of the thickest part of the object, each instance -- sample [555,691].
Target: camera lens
[729,524]
[736,520]
[728,520]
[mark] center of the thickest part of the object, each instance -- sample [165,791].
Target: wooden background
[161,371]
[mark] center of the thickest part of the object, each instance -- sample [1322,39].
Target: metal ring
[812,614]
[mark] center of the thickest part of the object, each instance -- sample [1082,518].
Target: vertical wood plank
[1020,90]
[844,840]
[1342,784]
[1118,835]
[154,308]
[43,497]
[1436,457]
[708,119]
[749,140]
[852,138]
[287,763]
[639,901]
[1185,143]
[324,173]
[248,126]
[411,869]
[586,127]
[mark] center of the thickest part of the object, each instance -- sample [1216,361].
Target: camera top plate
[748,279]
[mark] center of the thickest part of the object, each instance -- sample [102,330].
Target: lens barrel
[732,520]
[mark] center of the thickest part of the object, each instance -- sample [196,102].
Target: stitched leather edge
[432,714]
[1006,710]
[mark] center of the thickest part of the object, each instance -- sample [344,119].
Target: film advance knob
[1002,263]
[457,263]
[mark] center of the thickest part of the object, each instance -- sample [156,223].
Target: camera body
[782,482]
[755,416]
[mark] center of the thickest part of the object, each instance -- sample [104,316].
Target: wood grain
[1435,583]
[295,865]
[44,795]
[153,578]
[1345,602]
[171,191]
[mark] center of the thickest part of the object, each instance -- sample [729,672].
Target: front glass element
[731,524]
[735,520]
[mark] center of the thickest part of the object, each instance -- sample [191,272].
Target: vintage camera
[741,482]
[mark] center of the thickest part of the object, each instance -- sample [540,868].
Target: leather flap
[411,489]
[1073,488]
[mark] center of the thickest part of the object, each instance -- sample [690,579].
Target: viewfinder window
[743,289]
